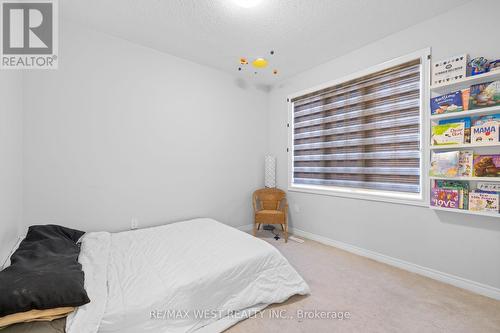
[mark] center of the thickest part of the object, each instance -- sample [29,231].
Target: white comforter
[198,275]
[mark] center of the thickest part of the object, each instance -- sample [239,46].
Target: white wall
[10,159]
[121,131]
[465,246]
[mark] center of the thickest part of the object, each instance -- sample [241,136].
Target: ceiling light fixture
[247,3]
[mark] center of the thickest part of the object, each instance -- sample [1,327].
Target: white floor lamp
[270,171]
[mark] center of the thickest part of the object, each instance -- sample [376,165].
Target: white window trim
[421,199]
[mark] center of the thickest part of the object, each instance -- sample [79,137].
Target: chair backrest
[269,198]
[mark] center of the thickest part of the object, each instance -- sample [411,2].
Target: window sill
[370,195]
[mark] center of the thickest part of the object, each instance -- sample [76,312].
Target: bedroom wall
[10,159]
[121,131]
[456,244]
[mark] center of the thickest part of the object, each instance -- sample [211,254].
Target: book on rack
[484,95]
[488,187]
[447,103]
[481,120]
[465,163]
[448,134]
[444,164]
[487,165]
[483,201]
[467,126]
[444,198]
[485,129]
[450,194]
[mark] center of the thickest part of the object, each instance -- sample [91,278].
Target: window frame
[420,199]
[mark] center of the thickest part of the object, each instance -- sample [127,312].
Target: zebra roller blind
[364,133]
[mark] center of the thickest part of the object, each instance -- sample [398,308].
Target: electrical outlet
[134,223]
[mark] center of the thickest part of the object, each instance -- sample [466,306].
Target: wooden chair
[270,207]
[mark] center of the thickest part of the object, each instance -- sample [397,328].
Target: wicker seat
[270,207]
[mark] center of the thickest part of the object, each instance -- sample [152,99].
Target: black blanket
[44,272]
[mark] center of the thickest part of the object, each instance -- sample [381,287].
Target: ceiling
[303,33]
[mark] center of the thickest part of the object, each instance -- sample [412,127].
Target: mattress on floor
[134,277]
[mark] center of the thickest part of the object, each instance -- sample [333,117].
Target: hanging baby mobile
[256,64]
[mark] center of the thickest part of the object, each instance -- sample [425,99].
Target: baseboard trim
[476,287]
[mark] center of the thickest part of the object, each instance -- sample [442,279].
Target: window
[362,136]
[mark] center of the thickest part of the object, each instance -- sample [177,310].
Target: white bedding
[194,266]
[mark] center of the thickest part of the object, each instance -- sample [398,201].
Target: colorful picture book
[465,163]
[447,103]
[485,133]
[483,201]
[448,134]
[485,129]
[450,194]
[486,165]
[481,120]
[444,164]
[445,198]
[484,95]
[467,121]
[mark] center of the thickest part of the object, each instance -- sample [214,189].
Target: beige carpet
[380,298]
